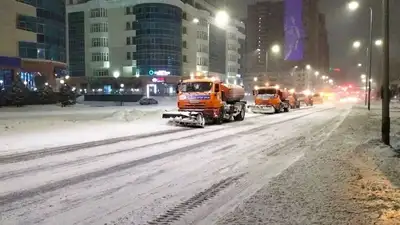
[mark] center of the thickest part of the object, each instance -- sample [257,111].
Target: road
[182,176]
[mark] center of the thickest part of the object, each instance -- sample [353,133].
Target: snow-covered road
[174,176]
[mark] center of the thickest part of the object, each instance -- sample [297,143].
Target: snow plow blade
[189,119]
[261,109]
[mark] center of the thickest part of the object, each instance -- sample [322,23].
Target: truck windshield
[196,86]
[269,91]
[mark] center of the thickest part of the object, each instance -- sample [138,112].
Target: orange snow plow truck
[272,100]
[207,100]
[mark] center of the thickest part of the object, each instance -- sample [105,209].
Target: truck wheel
[286,109]
[241,115]
[220,119]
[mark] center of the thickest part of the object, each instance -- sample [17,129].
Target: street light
[356,44]
[316,73]
[353,5]
[308,67]
[276,49]
[363,76]
[116,74]
[221,19]
[378,42]
[255,79]
[359,65]
[196,21]
[67,77]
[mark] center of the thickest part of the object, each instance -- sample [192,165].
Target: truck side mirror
[254,92]
[177,89]
[216,88]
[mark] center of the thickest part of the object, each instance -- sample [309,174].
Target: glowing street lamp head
[316,73]
[276,49]
[378,42]
[116,74]
[356,44]
[221,18]
[359,65]
[353,5]
[308,67]
[255,79]
[363,76]
[196,21]
[62,81]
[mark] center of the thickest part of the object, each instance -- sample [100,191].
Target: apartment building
[150,42]
[32,41]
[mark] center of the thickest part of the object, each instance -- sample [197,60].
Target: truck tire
[285,109]
[241,115]
[220,119]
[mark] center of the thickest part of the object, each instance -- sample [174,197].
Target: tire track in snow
[181,209]
[15,196]
[24,156]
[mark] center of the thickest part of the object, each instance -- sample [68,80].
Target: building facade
[152,43]
[32,41]
[295,26]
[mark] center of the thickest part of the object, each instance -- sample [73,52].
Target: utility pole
[385,85]
[371,20]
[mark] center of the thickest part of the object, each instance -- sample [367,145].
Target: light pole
[353,5]
[385,86]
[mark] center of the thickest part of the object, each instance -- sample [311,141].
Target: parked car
[148,101]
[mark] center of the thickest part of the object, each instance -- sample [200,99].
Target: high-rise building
[32,41]
[294,26]
[152,42]
[323,45]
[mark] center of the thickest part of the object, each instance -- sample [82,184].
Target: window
[99,27]
[128,40]
[184,44]
[184,59]
[100,12]
[202,35]
[99,56]
[184,16]
[99,42]
[184,30]
[128,56]
[100,73]
[128,26]
[201,61]
[40,28]
[128,10]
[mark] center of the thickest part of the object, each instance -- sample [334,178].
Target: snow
[139,179]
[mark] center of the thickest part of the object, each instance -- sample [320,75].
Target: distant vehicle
[148,101]
[304,99]
[271,99]
[317,99]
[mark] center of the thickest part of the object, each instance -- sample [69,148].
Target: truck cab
[270,100]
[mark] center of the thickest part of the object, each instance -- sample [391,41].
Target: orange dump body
[201,95]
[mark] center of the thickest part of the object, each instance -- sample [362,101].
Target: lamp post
[385,86]
[354,5]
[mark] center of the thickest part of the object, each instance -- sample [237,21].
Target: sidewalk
[348,179]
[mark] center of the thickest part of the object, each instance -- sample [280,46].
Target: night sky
[343,28]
